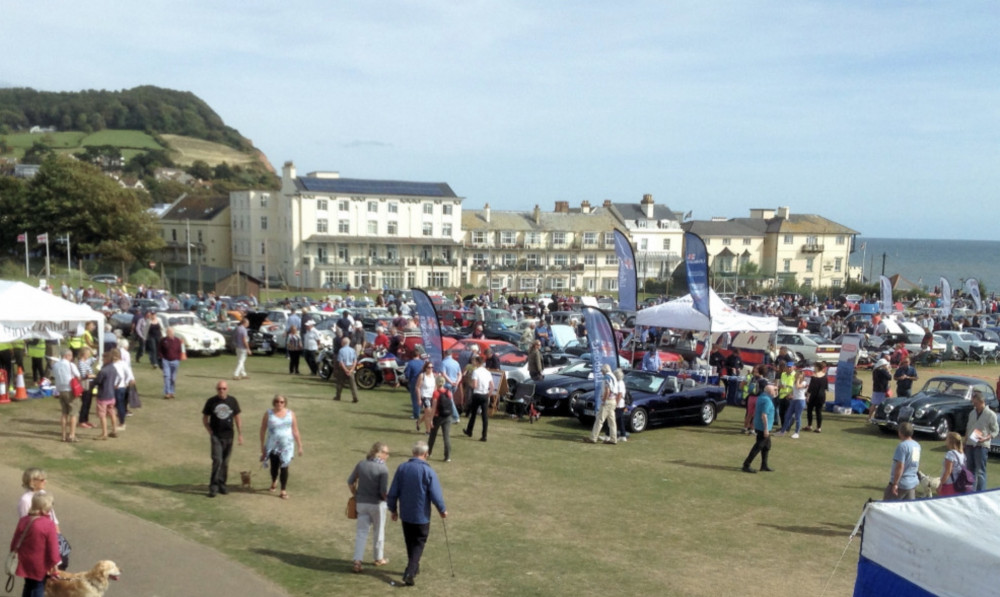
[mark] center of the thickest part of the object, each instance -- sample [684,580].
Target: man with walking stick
[414,488]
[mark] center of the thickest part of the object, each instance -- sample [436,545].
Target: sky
[881,116]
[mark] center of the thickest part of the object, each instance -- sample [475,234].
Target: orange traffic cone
[21,392]
[4,397]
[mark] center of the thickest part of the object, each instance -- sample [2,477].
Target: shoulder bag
[10,564]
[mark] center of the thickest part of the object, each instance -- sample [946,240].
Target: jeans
[293,361]
[153,348]
[444,424]
[415,536]
[480,402]
[763,447]
[620,419]
[414,399]
[241,361]
[33,588]
[370,517]
[794,411]
[121,404]
[221,449]
[976,461]
[169,375]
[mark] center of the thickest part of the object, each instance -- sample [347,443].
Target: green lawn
[532,512]
[129,139]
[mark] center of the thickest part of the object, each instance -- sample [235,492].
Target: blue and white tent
[934,547]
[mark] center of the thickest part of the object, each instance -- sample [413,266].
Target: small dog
[927,486]
[245,477]
[92,583]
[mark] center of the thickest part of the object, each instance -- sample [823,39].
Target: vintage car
[197,338]
[963,343]
[942,405]
[261,340]
[658,398]
[554,391]
[809,347]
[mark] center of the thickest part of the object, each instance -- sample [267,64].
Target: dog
[927,486]
[245,477]
[92,583]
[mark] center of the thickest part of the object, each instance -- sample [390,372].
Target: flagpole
[48,274]
[27,266]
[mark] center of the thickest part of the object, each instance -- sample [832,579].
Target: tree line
[145,108]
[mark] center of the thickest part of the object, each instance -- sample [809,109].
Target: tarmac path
[155,561]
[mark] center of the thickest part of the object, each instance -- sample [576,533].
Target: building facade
[197,230]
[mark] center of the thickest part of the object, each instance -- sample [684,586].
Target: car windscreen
[581,369]
[948,387]
[644,382]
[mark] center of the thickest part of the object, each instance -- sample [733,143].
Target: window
[373,207]
[343,254]
[557,283]
[610,260]
[532,259]
[263,222]
[609,239]
[510,259]
[392,252]
[590,259]
[560,260]
[558,239]
[446,230]
[428,209]
[838,263]
[609,284]
[322,225]
[321,204]
[344,205]
[478,237]
[201,236]
[437,279]
[173,235]
[835,282]
[809,264]
[263,199]
[589,238]
[812,240]
[425,254]
[392,228]
[746,241]
[533,238]
[373,228]
[726,241]
[787,265]
[807,282]
[642,223]
[479,259]
[393,207]
[321,255]
[666,244]
[428,229]
[643,244]
[507,238]
[263,247]
[789,239]
[841,240]
[344,226]
[446,209]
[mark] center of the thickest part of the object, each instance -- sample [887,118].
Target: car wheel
[707,413]
[959,354]
[566,406]
[638,419]
[942,428]
[365,378]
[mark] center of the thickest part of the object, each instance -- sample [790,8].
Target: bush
[145,276]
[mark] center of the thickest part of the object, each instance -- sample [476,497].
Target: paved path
[155,561]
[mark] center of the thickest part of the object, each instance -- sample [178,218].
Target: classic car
[942,405]
[261,340]
[197,338]
[658,398]
[554,391]
[963,342]
[811,347]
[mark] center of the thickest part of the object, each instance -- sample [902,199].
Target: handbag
[352,509]
[10,564]
[133,397]
[75,387]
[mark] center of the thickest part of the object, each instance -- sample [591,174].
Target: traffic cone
[4,397]
[21,392]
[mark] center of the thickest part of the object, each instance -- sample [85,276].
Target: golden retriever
[92,583]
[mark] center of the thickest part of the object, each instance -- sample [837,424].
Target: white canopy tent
[27,312]
[680,314]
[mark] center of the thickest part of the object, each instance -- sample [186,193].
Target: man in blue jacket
[763,420]
[414,488]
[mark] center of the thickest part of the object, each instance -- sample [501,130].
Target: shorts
[425,402]
[66,402]
[106,407]
[878,398]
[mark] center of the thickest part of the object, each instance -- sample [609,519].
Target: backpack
[964,480]
[445,405]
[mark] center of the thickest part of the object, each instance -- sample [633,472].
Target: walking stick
[450,563]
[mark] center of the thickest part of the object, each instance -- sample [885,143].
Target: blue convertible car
[659,398]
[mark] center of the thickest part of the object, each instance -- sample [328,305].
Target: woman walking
[105,385]
[816,397]
[279,434]
[425,389]
[443,409]
[36,542]
[369,483]
[954,461]
[293,346]
[797,404]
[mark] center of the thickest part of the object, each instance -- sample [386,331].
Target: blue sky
[883,116]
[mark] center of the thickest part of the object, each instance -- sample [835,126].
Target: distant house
[41,130]
[26,170]
[174,174]
[196,230]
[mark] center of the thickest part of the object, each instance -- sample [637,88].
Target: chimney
[562,207]
[585,207]
[607,203]
[783,212]
[288,171]
[538,215]
[647,206]
[486,213]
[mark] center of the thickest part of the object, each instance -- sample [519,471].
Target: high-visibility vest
[76,341]
[6,346]
[787,381]
[36,350]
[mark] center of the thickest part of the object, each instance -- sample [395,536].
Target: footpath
[155,561]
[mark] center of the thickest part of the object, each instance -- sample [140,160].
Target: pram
[522,402]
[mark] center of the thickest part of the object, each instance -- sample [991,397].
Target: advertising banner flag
[603,348]
[945,300]
[886,286]
[843,384]
[696,262]
[972,287]
[627,281]
[430,327]
[43,238]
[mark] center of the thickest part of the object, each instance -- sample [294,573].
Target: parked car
[261,340]
[554,391]
[658,398]
[942,405]
[963,342]
[494,329]
[197,338]
[105,278]
[811,347]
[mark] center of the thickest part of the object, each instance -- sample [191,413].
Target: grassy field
[185,150]
[532,512]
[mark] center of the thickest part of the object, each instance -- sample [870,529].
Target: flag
[843,385]
[22,237]
[430,327]
[886,286]
[696,261]
[688,215]
[972,287]
[43,238]
[626,272]
[945,301]
[603,348]
[864,246]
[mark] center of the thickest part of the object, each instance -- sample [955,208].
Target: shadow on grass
[308,561]
[827,530]
[186,488]
[872,430]
[699,465]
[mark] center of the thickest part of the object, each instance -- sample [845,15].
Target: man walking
[220,414]
[241,339]
[763,420]
[411,372]
[347,361]
[171,351]
[609,402]
[414,488]
[482,389]
[63,372]
[979,431]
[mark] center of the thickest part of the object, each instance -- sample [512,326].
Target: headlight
[556,392]
[888,408]
[922,412]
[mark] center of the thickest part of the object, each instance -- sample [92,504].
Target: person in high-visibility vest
[786,381]
[75,343]
[7,360]
[36,351]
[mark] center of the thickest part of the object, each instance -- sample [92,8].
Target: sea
[925,261]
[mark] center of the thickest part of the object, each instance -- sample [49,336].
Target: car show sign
[626,272]
[430,327]
[696,262]
[850,348]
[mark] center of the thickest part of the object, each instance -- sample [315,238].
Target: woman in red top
[38,549]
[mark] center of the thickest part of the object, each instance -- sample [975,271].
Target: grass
[188,149]
[184,150]
[532,512]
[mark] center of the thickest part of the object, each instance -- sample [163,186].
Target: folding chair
[976,353]
[522,402]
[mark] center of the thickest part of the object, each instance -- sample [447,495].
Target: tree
[37,153]
[201,170]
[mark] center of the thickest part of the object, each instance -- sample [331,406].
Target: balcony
[812,248]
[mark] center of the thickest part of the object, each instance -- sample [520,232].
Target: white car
[811,347]
[963,342]
[197,338]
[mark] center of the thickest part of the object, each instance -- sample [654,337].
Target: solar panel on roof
[376,187]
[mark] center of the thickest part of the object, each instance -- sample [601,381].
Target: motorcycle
[326,361]
[380,367]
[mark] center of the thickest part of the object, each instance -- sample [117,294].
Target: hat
[310,322]
[881,363]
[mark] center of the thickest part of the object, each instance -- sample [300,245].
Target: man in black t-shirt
[220,414]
